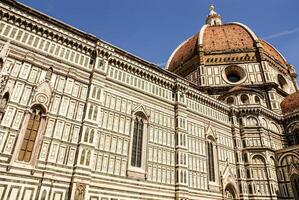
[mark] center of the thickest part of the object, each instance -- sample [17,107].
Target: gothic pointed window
[137,142]
[31,134]
[211,162]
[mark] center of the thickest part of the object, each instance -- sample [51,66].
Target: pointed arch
[136,153]
[33,131]
[138,144]
[230,192]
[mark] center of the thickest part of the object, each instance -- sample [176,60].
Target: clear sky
[152,29]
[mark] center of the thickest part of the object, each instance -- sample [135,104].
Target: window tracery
[31,134]
[136,154]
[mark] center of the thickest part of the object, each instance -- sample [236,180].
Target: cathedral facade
[82,119]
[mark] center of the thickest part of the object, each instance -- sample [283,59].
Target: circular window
[234,74]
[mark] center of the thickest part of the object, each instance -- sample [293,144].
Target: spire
[213,18]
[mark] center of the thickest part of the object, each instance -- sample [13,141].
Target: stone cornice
[46,26]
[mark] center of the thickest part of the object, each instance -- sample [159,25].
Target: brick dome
[290,103]
[233,37]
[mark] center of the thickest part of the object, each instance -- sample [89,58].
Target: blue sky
[152,29]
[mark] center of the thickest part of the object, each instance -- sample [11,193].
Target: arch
[252,121]
[283,84]
[258,159]
[285,160]
[257,100]
[136,154]
[40,107]
[274,127]
[140,112]
[31,134]
[292,132]
[230,192]
[272,161]
[250,188]
[293,125]
[230,100]
[264,123]
[211,160]
[244,99]
[44,194]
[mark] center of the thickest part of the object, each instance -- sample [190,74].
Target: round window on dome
[234,74]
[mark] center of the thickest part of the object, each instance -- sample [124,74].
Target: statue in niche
[79,194]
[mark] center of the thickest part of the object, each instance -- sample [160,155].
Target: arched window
[250,189]
[296,136]
[248,173]
[252,122]
[137,142]
[211,162]
[257,100]
[282,82]
[30,134]
[244,99]
[44,194]
[230,100]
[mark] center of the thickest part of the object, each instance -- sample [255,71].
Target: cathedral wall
[216,76]
[96,100]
